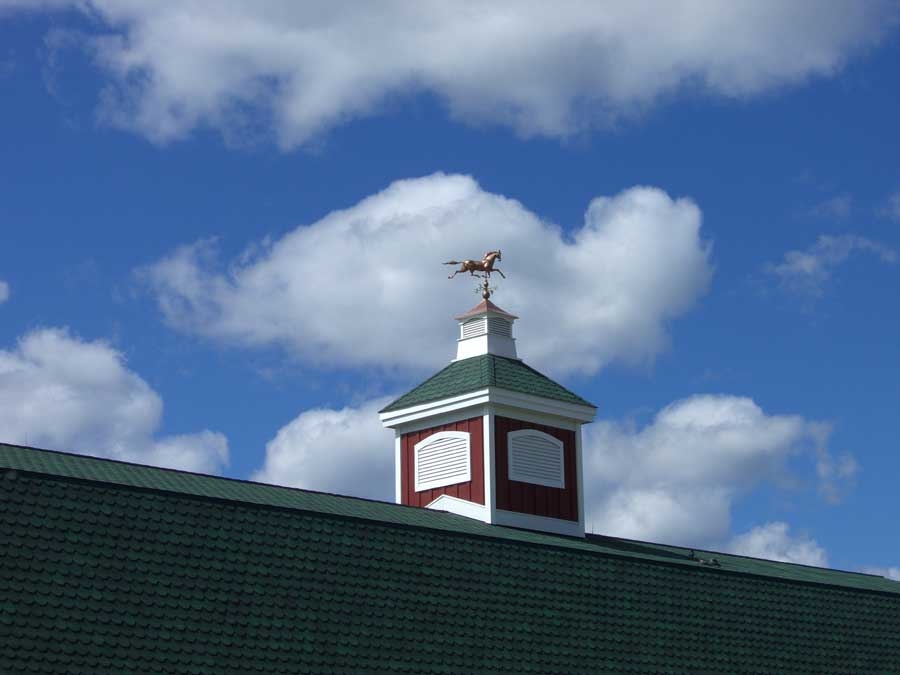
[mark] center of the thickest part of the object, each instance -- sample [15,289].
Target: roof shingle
[479,372]
[112,567]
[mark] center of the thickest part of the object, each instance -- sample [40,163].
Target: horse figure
[485,265]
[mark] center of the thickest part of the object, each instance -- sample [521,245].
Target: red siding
[472,491]
[538,500]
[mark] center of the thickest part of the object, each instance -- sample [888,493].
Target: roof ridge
[713,552]
[73,466]
[78,457]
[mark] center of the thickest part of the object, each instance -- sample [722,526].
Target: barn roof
[480,372]
[115,567]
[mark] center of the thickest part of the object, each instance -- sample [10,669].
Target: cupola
[489,437]
[486,329]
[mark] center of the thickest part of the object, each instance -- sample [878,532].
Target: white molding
[398,468]
[579,477]
[490,495]
[460,507]
[443,419]
[533,417]
[462,477]
[527,402]
[527,521]
[396,418]
[557,448]
[572,411]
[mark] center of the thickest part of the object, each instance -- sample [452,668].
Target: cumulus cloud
[551,69]
[59,392]
[364,286]
[4,291]
[806,272]
[343,451]
[676,479]
[673,481]
[774,541]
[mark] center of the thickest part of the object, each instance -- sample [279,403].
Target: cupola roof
[480,372]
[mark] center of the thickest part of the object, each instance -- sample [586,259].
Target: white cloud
[806,272]
[365,286]
[892,573]
[675,480]
[542,68]
[773,541]
[343,451]
[59,392]
[4,291]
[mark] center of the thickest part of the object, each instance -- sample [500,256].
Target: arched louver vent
[499,326]
[536,457]
[473,328]
[442,459]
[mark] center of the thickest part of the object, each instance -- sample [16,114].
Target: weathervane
[480,268]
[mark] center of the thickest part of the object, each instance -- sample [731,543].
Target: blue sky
[222,230]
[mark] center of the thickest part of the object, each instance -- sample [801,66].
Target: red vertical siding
[538,500]
[472,490]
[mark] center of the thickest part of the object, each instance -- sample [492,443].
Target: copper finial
[481,268]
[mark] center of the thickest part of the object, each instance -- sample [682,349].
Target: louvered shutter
[536,457]
[473,328]
[499,326]
[442,459]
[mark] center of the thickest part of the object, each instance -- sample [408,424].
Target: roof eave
[573,412]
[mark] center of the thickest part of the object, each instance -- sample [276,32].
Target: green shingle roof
[113,567]
[479,372]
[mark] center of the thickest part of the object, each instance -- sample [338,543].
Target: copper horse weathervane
[481,268]
[485,266]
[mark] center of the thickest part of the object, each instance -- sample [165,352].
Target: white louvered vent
[499,326]
[536,457]
[473,328]
[442,459]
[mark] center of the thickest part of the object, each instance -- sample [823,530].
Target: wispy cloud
[835,208]
[891,207]
[806,272]
[4,291]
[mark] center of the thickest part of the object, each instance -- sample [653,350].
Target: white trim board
[460,507]
[495,395]
[526,521]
